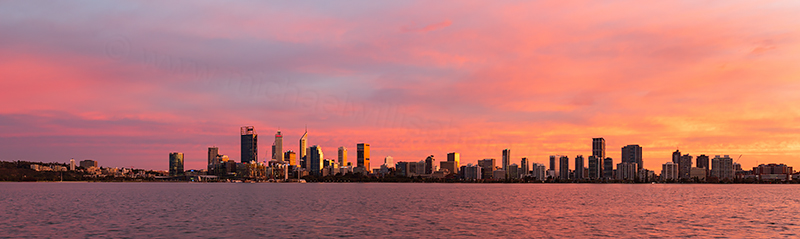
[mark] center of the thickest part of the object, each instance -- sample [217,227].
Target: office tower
[608,168]
[456,158]
[448,166]
[88,163]
[362,156]
[175,164]
[342,156]
[676,157]
[595,168]
[632,154]
[513,171]
[722,167]
[626,171]
[302,153]
[703,161]
[524,167]
[669,171]
[71,164]
[685,167]
[539,171]
[388,161]
[553,163]
[599,148]
[506,159]
[213,153]
[429,161]
[401,168]
[315,158]
[472,172]
[249,144]
[277,153]
[579,167]
[487,167]
[290,157]
[563,167]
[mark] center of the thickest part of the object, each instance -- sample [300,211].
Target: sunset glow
[125,84]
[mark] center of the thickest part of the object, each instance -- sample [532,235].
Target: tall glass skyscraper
[599,148]
[249,144]
[175,164]
[632,154]
[362,156]
[278,153]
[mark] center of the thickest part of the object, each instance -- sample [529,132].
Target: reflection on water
[397,210]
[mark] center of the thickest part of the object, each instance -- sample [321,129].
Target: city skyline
[127,83]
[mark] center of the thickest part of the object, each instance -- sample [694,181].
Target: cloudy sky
[125,83]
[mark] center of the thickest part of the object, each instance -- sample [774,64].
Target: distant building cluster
[90,169]
[289,165]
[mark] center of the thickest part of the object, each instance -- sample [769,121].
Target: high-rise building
[472,172]
[578,173]
[277,154]
[676,157]
[249,144]
[388,161]
[539,171]
[71,164]
[362,156]
[506,160]
[703,161]
[513,171]
[213,154]
[290,157]
[342,156]
[685,167]
[456,159]
[595,168]
[487,167]
[669,171]
[599,148]
[315,159]
[553,163]
[722,167]
[524,167]
[175,164]
[608,168]
[563,167]
[632,154]
[626,171]
[302,153]
[429,163]
[88,163]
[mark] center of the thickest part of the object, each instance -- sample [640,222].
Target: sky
[126,83]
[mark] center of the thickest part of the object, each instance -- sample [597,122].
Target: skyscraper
[362,156]
[702,161]
[563,167]
[632,154]
[579,167]
[302,153]
[553,163]
[456,159]
[525,167]
[249,144]
[722,167]
[599,148]
[213,153]
[429,162]
[487,167]
[676,157]
[685,167]
[175,164]
[278,153]
[315,158]
[595,168]
[608,168]
[669,171]
[506,159]
[290,157]
[71,164]
[342,157]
